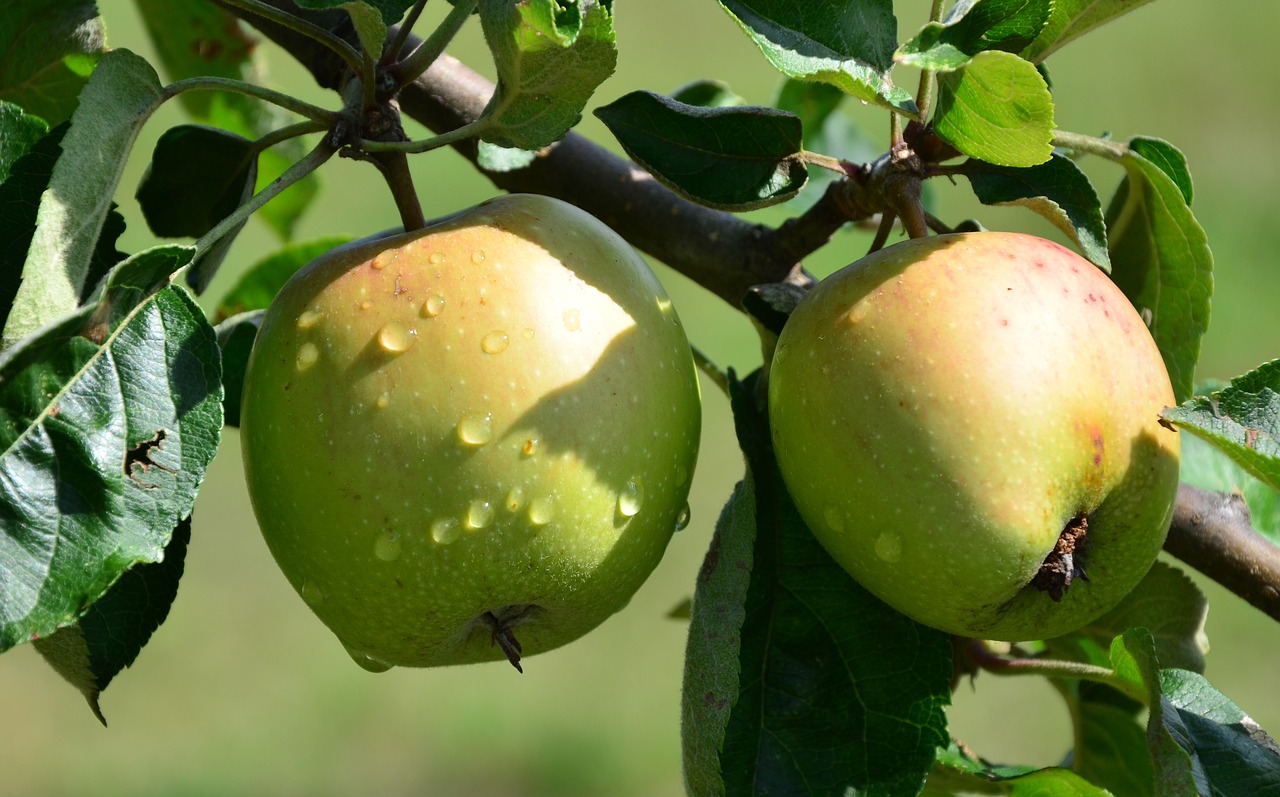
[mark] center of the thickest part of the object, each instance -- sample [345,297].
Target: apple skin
[944,407]
[495,417]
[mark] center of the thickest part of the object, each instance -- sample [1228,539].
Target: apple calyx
[501,626]
[1065,562]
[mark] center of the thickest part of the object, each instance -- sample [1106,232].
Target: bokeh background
[242,691]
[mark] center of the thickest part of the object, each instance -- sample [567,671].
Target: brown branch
[727,256]
[1212,533]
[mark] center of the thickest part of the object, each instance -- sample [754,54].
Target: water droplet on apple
[312,594]
[309,318]
[387,546]
[433,305]
[479,514]
[528,333]
[477,256]
[308,354]
[436,258]
[572,319]
[366,661]
[889,547]
[834,519]
[495,342]
[475,429]
[682,518]
[383,401]
[396,338]
[445,530]
[541,510]
[630,498]
[515,498]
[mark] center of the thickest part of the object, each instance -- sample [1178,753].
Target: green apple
[473,440]
[969,424]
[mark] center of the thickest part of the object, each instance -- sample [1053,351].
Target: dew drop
[528,333]
[834,519]
[477,256]
[630,498]
[387,546]
[479,514]
[308,353]
[445,530]
[436,258]
[383,401]
[572,319]
[365,305]
[889,547]
[515,498]
[475,429]
[541,510]
[433,305]
[312,594]
[309,318]
[395,337]
[682,518]
[495,342]
[366,661]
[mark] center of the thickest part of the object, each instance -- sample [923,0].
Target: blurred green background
[242,691]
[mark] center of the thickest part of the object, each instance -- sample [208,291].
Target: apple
[969,424]
[474,440]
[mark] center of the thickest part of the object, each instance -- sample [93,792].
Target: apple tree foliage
[115,386]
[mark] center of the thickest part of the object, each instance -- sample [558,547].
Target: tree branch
[727,256]
[1212,533]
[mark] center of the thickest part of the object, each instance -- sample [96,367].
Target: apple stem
[982,655]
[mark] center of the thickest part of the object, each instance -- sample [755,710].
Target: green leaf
[996,109]
[493,158]
[371,30]
[260,283]
[708,94]
[50,49]
[550,56]
[197,177]
[974,27]
[1210,468]
[737,158]
[1057,190]
[110,635]
[104,449]
[1112,746]
[1242,419]
[1235,757]
[19,132]
[798,681]
[391,10]
[1167,603]
[849,46]
[1072,19]
[198,37]
[235,339]
[957,772]
[1168,159]
[119,98]
[826,130]
[1160,258]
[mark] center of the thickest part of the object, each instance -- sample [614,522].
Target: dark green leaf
[392,10]
[1160,258]
[550,56]
[849,46]
[1235,757]
[798,681]
[826,130]
[1168,159]
[119,98]
[235,338]
[996,109]
[371,28]
[1056,189]
[110,635]
[957,772]
[1242,419]
[1210,468]
[19,131]
[812,103]
[260,283]
[197,176]
[708,94]
[28,177]
[974,27]
[104,449]
[198,37]
[50,48]
[735,158]
[1074,18]
[1112,748]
